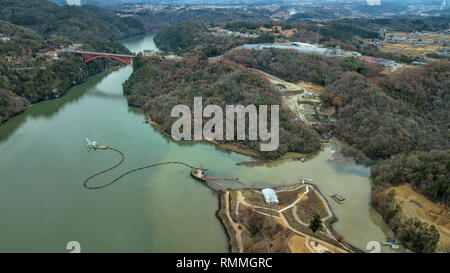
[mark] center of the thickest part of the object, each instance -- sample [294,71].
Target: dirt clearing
[297,244]
[436,214]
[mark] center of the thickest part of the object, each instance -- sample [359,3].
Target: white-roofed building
[270,196]
[74,2]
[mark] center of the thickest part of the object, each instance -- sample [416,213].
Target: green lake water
[43,163]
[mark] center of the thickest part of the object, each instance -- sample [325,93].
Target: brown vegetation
[222,83]
[381,115]
[307,207]
[265,234]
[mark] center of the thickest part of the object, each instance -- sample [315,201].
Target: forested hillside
[35,27]
[193,37]
[378,124]
[293,66]
[127,25]
[224,83]
[428,171]
[211,15]
[428,174]
[27,77]
[381,115]
[69,22]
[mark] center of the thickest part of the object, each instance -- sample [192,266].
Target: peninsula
[278,220]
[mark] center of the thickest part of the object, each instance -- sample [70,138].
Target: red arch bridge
[89,56]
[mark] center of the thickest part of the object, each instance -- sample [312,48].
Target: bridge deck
[101,53]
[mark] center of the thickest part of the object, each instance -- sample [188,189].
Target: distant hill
[86,24]
[125,26]
[35,26]
[192,37]
[100,3]
[384,7]
[26,77]
[69,22]
[59,2]
[211,15]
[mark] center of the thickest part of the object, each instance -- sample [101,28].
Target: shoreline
[223,146]
[29,104]
[223,214]
[230,147]
[229,231]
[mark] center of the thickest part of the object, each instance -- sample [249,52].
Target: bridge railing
[102,53]
[89,56]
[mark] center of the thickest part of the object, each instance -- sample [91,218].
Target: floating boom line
[86,182]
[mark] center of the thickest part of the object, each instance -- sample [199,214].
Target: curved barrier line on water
[85,183]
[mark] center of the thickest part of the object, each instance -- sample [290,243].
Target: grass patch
[296,225]
[307,207]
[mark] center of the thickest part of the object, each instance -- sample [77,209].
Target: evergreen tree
[315,223]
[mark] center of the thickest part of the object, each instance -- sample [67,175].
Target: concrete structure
[305,48]
[300,47]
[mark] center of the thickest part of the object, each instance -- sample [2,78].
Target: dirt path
[330,213]
[233,224]
[309,240]
[292,94]
[297,244]
[322,245]
[283,85]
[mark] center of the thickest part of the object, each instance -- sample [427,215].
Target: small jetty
[199,174]
[338,198]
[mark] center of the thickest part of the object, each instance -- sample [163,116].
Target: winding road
[310,242]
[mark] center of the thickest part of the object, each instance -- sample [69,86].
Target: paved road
[233,224]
